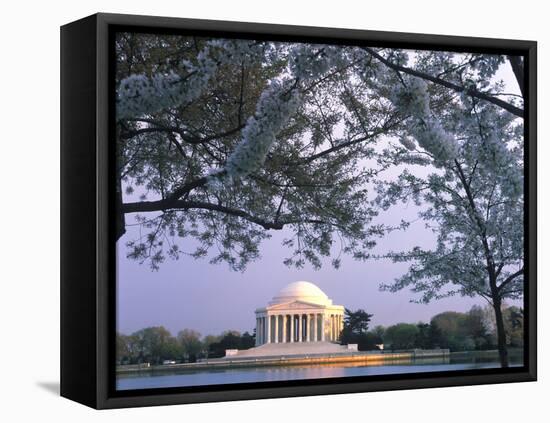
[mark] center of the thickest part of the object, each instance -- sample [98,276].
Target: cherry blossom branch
[174,129]
[469,91]
[139,94]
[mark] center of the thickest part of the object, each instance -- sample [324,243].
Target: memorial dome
[301,291]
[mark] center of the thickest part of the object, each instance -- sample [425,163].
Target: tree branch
[160,205]
[387,126]
[185,189]
[471,92]
[510,278]
[174,129]
[149,206]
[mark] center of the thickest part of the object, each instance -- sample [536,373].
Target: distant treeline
[156,344]
[473,330]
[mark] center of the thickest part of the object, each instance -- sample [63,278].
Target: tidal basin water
[182,378]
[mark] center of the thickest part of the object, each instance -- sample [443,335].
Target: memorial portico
[299,313]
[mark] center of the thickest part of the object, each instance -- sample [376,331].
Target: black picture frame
[87,242]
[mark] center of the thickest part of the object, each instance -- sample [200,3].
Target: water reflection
[181,378]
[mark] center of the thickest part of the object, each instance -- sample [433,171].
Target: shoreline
[351,357]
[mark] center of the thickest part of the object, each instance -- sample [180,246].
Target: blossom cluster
[414,100]
[275,107]
[498,160]
[307,62]
[407,142]
[433,138]
[138,94]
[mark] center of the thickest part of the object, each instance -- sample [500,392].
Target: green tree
[401,336]
[453,328]
[424,336]
[207,342]
[355,330]
[190,344]
[153,344]
[123,348]
[368,341]
[379,331]
[231,340]
[513,318]
[247,341]
[357,321]
[478,327]
[170,349]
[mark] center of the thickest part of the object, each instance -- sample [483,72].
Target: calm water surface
[179,378]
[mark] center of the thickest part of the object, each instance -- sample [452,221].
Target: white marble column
[257,332]
[304,328]
[314,327]
[317,326]
[267,329]
[276,328]
[299,328]
[292,328]
[284,328]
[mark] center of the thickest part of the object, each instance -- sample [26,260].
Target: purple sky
[194,294]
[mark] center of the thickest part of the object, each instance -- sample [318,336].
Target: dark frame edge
[78,212]
[254,28]
[101,397]
[314,390]
[531,189]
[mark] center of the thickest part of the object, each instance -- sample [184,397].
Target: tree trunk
[517,68]
[501,333]
[120,223]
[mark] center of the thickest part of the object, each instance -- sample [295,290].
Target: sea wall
[374,358]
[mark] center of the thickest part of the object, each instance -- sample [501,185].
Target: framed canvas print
[257,211]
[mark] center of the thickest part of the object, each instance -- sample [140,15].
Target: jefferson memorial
[300,319]
[300,312]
